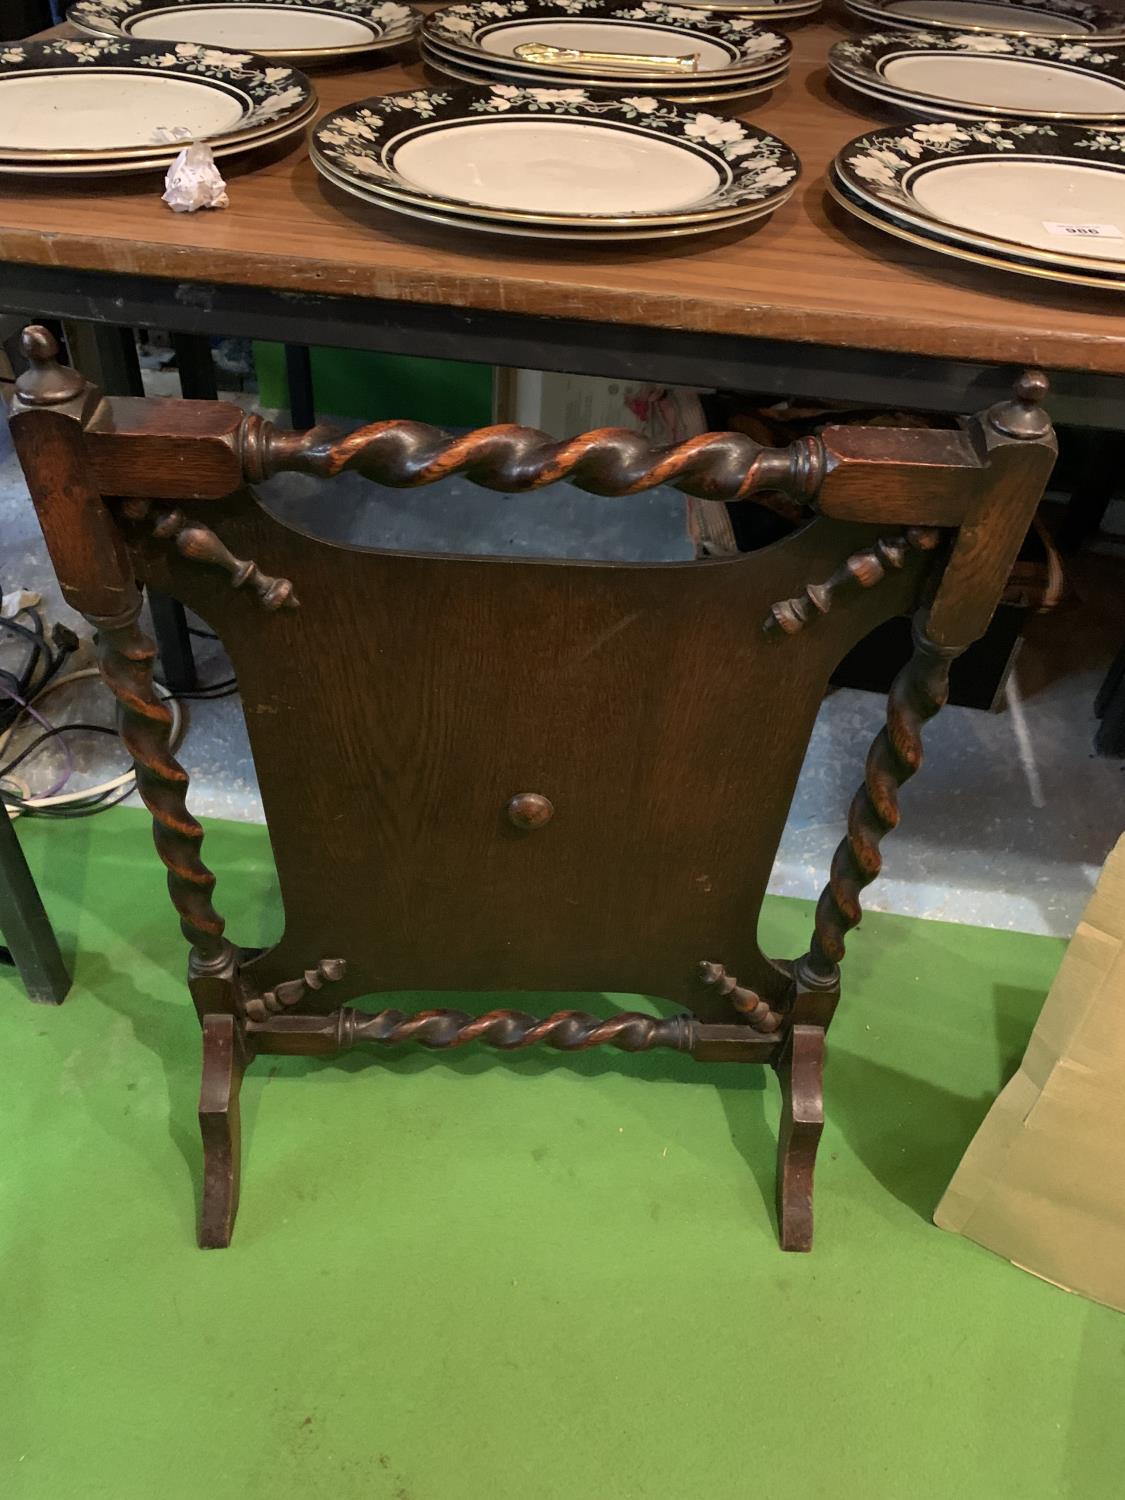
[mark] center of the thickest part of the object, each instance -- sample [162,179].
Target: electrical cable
[50,655]
[49,734]
[25,694]
[63,804]
[33,713]
[222,689]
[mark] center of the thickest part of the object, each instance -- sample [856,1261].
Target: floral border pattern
[1101,22]
[743,39]
[865,58]
[270,92]
[360,140]
[107,17]
[878,165]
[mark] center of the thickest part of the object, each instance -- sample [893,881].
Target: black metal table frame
[577,346]
[113,302]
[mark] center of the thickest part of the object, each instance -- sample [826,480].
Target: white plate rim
[753,165]
[925,108]
[98,18]
[144,153]
[121,167]
[501,68]
[864,59]
[937,228]
[761,10]
[544,232]
[736,89]
[747,44]
[276,93]
[493,62]
[560,220]
[966,253]
[880,12]
[922,148]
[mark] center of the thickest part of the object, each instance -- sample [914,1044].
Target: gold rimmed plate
[864,215]
[987,75]
[68,100]
[1047,196]
[162,151]
[1056,18]
[693,92]
[522,152]
[542,230]
[517,70]
[121,167]
[757,10]
[306,32]
[561,220]
[489,34]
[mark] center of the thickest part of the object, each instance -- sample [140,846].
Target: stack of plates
[1010,17]
[1044,200]
[477,44]
[72,108]
[966,75]
[556,164]
[762,10]
[301,31]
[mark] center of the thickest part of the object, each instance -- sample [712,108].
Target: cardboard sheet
[1043,1182]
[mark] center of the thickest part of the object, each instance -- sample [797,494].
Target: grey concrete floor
[1007,826]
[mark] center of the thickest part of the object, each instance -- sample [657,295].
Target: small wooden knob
[45,382]
[529,810]
[1024,416]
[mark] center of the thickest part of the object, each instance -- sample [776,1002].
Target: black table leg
[1110,709]
[118,369]
[1096,481]
[170,626]
[30,938]
[298,374]
[196,367]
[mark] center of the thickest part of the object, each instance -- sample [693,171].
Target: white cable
[64,799]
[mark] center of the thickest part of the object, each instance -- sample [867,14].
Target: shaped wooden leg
[801,1074]
[224,1062]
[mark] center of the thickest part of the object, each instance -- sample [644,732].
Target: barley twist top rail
[609,461]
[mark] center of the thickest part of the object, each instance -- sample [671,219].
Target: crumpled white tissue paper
[193,180]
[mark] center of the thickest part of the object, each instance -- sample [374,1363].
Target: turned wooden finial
[1023,416]
[45,382]
[714,976]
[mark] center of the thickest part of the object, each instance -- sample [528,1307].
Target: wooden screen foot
[224,1062]
[801,1074]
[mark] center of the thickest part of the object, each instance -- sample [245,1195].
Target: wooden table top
[809,274]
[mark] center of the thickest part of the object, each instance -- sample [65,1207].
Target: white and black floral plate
[1049,196]
[306,31]
[165,149]
[692,90]
[611,230]
[986,74]
[522,154]
[735,99]
[491,31]
[1057,18]
[762,10]
[157,160]
[941,245]
[69,100]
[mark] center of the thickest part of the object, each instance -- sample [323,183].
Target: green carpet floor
[536,1277]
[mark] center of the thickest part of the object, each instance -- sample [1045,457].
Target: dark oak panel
[647,703]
